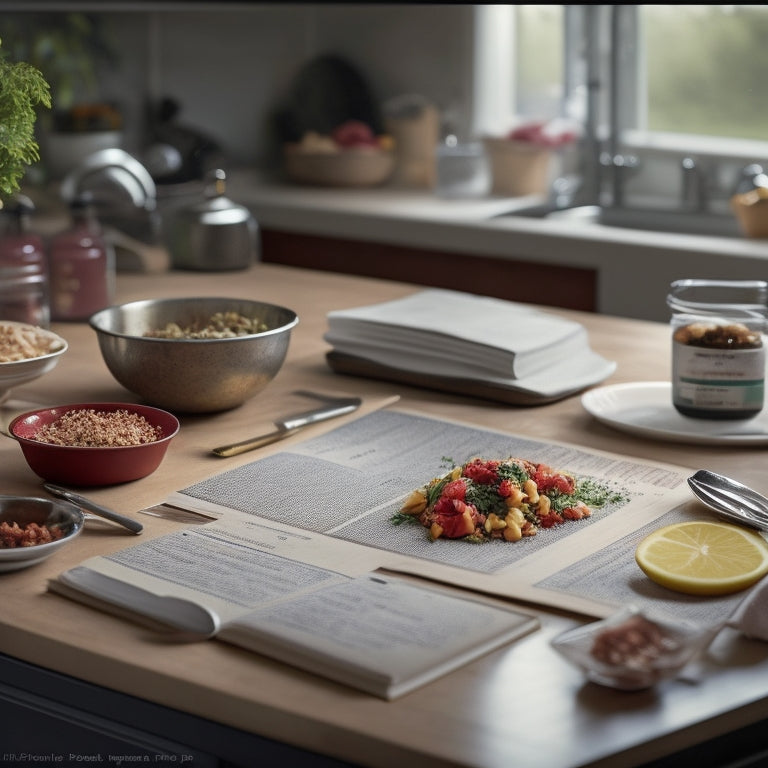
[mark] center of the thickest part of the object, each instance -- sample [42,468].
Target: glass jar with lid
[718,350]
[24,287]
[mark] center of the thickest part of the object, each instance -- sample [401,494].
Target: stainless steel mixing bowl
[192,375]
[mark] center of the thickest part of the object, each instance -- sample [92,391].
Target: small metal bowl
[192,375]
[24,510]
[92,466]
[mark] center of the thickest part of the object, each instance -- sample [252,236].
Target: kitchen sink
[647,219]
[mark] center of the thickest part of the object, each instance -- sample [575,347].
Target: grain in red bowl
[94,444]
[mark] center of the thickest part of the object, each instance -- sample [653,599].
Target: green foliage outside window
[706,68]
[694,69]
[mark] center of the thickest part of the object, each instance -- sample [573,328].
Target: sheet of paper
[451,333]
[235,564]
[347,484]
[380,634]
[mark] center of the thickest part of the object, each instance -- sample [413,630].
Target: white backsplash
[229,65]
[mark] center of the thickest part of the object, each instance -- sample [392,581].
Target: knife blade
[291,425]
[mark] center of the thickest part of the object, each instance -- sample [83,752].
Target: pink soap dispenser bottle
[82,266]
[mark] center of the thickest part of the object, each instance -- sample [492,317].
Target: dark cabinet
[53,719]
[511,279]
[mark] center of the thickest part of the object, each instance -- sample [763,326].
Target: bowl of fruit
[352,155]
[523,160]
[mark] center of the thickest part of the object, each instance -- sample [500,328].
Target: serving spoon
[108,514]
[730,499]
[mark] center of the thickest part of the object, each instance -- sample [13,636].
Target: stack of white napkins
[444,334]
[751,615]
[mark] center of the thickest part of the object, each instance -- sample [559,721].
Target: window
[705,69]
[658,82]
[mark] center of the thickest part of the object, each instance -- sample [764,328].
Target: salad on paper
[501,499]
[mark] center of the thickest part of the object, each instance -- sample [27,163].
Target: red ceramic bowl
[92,466]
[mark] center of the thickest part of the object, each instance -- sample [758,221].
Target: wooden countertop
[521,706]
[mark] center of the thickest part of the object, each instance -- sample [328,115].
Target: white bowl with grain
[26,353]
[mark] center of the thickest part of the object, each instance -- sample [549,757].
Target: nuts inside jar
[718,336]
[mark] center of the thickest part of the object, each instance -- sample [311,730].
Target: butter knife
[291,425]
[108,514]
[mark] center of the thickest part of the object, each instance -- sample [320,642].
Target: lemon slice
[701,558]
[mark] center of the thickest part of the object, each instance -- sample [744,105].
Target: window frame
[627,110]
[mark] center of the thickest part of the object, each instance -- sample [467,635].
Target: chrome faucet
[583,188]
[694,195]
[605,167]
[620,167]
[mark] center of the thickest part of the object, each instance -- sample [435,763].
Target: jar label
[719,379]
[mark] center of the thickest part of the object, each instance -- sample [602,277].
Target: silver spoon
[132,525]
[733,514]
[730,499]
[732,491]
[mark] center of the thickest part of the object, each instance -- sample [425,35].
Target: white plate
[645,408]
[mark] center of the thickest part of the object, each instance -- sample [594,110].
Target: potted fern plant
[22,90]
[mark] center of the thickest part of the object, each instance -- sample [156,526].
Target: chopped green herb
[588,491]
[399,518]
[485,499]
[514,472]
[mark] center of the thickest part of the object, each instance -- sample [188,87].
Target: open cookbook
[307,557]
[379,634]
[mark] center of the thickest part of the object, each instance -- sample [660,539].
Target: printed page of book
[350,483]
[379,634]
[229,566]
[374,632]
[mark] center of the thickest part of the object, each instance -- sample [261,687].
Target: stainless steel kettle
[215,234]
